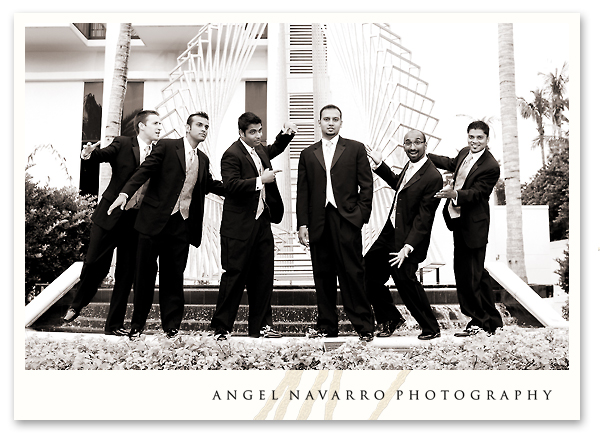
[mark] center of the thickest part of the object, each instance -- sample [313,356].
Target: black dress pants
[97,262]
[337,256]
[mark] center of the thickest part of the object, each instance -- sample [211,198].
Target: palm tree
[556,89]
[537,109]
[117,97]
[515,253]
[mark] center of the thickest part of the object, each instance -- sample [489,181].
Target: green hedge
[57,228]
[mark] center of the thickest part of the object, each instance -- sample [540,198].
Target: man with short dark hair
[170,221]
[115,231]
[335,192]
[467,215]
[404,240]
[252,203]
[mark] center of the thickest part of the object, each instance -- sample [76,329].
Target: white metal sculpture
[393,99]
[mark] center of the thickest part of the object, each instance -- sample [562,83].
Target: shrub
[565,310]
[563,271]
[511,348]
[57,226]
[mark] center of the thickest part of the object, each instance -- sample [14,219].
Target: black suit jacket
[165,167]
[123,154]
[239,180]
[415,207]
[351,180]
[473,198]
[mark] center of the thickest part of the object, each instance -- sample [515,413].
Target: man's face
[414,145]
[331,122]
[150,130]
[252,135]
[478,141]
[198,130]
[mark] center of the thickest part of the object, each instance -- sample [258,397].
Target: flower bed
[512,348]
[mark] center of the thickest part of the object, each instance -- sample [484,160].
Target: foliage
[563,271]
[550,186]
[565,310]
[511,348]
[500,190]
[57,226]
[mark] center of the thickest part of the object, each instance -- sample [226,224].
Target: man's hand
[446,192]
[289,127]
[121,201]
[376,155]
[88,148]
[303,236]
[398,258]
[268,175]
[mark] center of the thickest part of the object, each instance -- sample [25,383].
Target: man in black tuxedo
[404,240]
[115,231]
[467,215]
[170,221]
[335,192]
[252,203]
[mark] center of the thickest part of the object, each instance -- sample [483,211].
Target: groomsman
[335,192]
[170,221]
[467,215]
[404,240]
[115,231]
[252,203]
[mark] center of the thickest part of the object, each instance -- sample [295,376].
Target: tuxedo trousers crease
[97,265]
[474,285]
[338,253]
[377,273]
[248,264]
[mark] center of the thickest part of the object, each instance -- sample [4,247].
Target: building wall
[55,110]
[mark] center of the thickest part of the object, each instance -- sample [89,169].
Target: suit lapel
[200,164]
[319,153]
[135,148]
[339,149]
[416,177]
[181,153]
[248,156]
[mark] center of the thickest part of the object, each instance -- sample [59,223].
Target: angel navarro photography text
[378,395]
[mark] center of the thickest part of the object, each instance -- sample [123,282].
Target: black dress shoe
[135,333]
[221,335]
[171,332]
[366,337]
[121,332]
[71,315]
[468,332]
[429,336]
[389,327]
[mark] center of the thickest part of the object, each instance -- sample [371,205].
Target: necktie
[461,176]
[191,174]
[261,199]
[136,199]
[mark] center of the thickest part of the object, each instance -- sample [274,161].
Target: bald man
[404,240]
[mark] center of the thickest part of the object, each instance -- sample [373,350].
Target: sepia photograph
[299,216]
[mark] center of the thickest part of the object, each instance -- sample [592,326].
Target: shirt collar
[187,146]
[141,143]
[248,148]
[417,165]
[477,155]
[333,141]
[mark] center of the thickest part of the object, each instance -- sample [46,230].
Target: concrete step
[291,320]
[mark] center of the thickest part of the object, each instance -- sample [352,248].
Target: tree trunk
[515,253]
[116,97]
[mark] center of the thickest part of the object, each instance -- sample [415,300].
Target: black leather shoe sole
[429,336]
[118,332]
